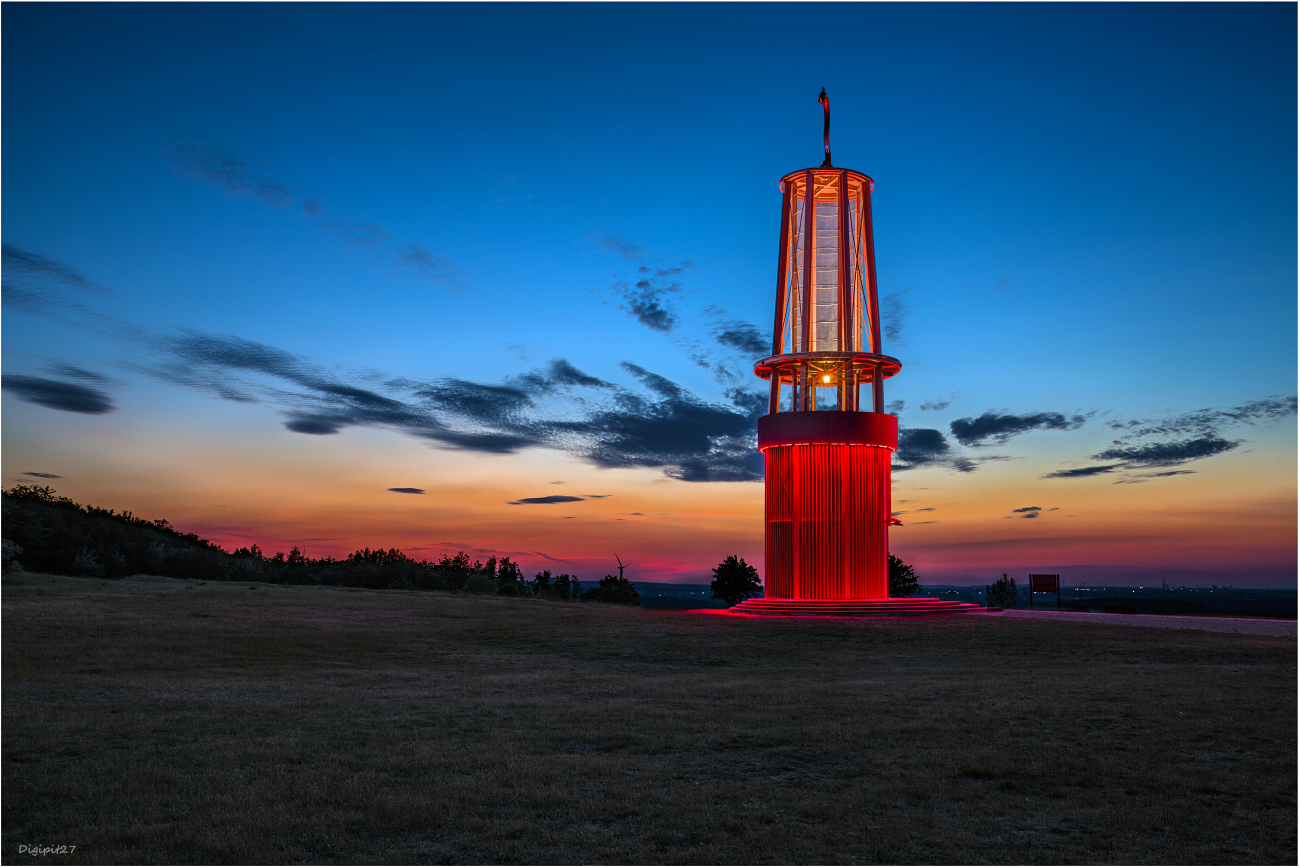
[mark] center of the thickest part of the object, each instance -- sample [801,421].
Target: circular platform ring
[787,367]
[912,607]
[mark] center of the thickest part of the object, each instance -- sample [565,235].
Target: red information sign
[1044,583]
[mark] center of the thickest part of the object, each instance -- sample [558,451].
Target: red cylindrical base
[828,501]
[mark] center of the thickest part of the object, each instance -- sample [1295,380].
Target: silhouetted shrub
[1002,592]
[562,587]
[902,579]
[10,556]
[735,580]
[510,579]
[86,564]
[613,590]
[480,583]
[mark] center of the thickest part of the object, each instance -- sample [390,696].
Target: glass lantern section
[827,307]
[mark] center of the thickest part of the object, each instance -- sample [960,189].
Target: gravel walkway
[1243,625]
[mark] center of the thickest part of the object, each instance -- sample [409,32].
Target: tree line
[46,532]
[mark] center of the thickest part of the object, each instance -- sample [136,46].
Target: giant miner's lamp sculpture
[827,456]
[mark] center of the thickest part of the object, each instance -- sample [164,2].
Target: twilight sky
[492,277]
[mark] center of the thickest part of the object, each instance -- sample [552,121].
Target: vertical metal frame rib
[869,244]
[806,313]
[845,380]
[842,265]
[782,270]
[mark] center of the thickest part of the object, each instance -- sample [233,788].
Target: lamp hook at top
[826,128]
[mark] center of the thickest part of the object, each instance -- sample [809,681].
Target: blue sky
[1086,209]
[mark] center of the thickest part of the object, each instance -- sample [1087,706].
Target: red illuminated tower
[827,441]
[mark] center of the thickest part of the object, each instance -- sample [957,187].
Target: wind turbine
[621,567]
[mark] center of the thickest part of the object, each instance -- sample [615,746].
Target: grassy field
[167,721]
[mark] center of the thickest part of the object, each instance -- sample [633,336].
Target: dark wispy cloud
[894,311]
[238,177]
[422,261]
[711,338]
[35,284]
[560,374]
[364,234]
[52,393]
[317,425]
[488,404]
[1083,472]
[689,438]
[628,248]
[1207,422]
[744,337]
[1028,511]
[407,490]
[1157,443]
[992,427]
[68,371]
[919,447]
[1167,454]
[544,501]
[936,405]
[927,447]
[647,298]
[228,171]
[43,475]
[1139,478]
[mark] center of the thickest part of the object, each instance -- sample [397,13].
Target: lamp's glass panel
[826,288]
[855,284]
[860,327]
[796,278]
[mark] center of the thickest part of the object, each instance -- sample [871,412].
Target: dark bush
[1002,592]
[510,579]
[902,579]
[735,580]
[613,590]
[480,583]
[562,587]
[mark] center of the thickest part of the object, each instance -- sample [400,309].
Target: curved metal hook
[826,129]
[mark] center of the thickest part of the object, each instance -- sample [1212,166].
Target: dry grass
[161,721]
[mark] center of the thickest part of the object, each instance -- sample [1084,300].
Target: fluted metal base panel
[827,514]
[854,607]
